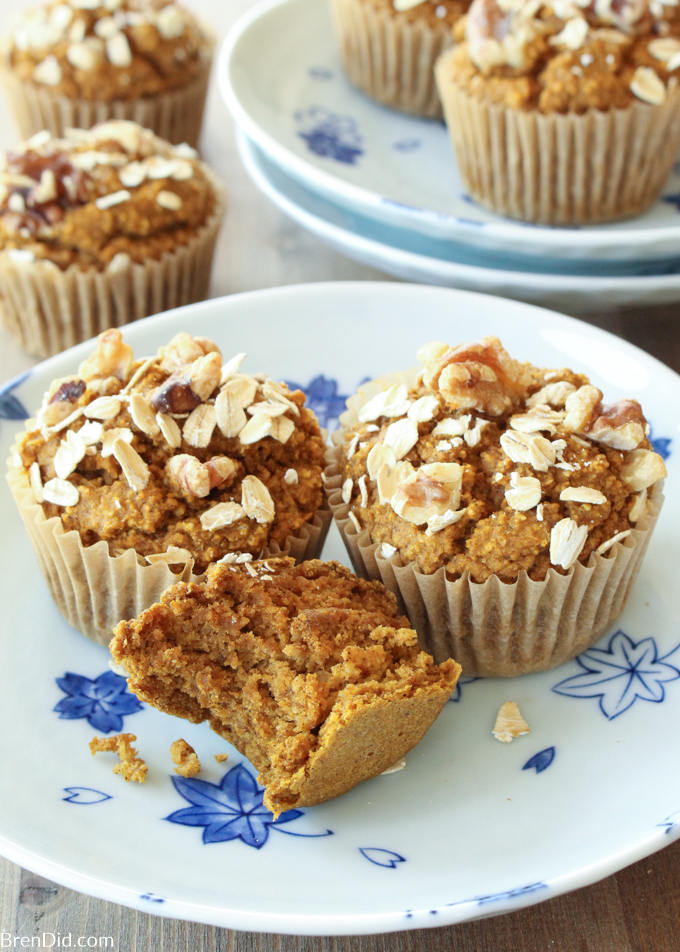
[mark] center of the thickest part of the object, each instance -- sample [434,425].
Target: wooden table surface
[637,910]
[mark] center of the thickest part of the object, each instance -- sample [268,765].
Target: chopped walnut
[194,478]
[60,400]
[131,766]
[642,469]
[185,389]
[580,406]
[430,491]
[620,425]
[184,349]
[184,755]
[480,376]
[111,358]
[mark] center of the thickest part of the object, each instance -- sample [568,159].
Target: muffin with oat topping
[564,112]
[132,467]
[389,48]
[100,228]
[506,503]
[73,63]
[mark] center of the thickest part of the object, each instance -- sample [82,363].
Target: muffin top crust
[568,55]
[107,49]
[494,467]
[102,197]
[176,456]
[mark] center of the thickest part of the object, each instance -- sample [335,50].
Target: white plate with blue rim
[281,76]
[414,257]
[470,827]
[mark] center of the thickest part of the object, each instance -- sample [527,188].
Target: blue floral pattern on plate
[620,674]
[231,810]
[460,684]
[497,897]
[380,857]
[323,398]
[11,407]
[540,761]
[671,821]
[104,701]
[660,444]
[85,795]
[330,135]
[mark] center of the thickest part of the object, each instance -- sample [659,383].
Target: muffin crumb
[184,755]
[131,766]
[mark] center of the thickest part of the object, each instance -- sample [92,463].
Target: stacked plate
[384,188]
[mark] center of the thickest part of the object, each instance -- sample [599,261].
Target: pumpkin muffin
[564,113]
[100,228]
[389,48]
[506,503]
[307,670]
[134,466]
[73,63]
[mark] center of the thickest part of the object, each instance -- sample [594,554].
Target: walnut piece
[620,425]
[184,755]
[60,400]
[429,491]
[111,358]
[194,478]
[131,766]
[480,376]
[185,389]
[580,406]
[642,469]
[184,349]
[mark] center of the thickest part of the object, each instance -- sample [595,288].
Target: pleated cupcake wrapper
[175,115]
[561,169]
[47,310]
[494,629]
[389,57]
[94,590]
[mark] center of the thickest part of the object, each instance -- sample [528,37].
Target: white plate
[407,255]
[468,828]
[281,77]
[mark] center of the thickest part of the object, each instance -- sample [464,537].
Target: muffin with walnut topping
[564,112]
[506,503]
[138,473]
[389,48]
[73,63]
[101,228]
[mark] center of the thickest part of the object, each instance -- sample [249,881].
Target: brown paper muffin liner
[389,57]
[494,629]
[94,590]
[47,310]
[175,115]
[561,169]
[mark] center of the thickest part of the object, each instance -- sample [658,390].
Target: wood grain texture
[637,910]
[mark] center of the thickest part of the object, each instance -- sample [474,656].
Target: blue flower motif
[660,444]
[497,897]
[320,72]
[540,761]
[458,690]
[329,135]
[103,701]
[672,200]
[620,674]
[85,795]
[151,897]
[231,810]
[11,408]
[407,145]
[670,822]
[323,398]
[380,857]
